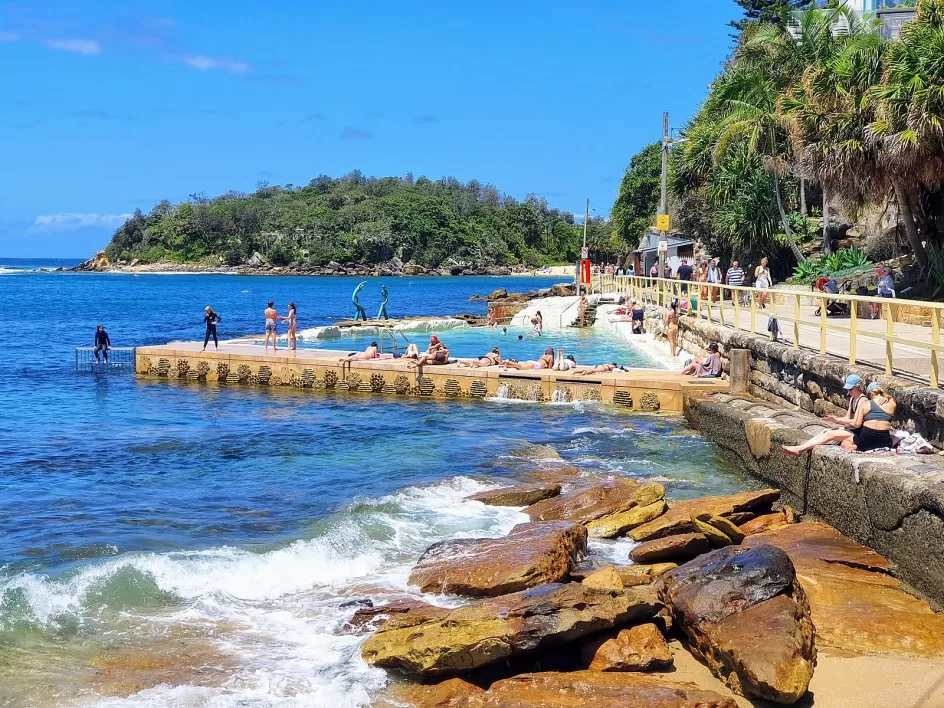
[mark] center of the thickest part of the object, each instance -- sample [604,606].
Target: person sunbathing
[412,352]
[369,353]
[870,428]
[545,362]
[706,367]
[599,369]
[436,354]
[493,358]
[564,363]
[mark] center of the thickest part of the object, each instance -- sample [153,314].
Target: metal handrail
[724,304]
[393,339]
[560,321]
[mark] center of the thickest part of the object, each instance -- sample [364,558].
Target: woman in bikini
[671,327]
[493,358]
[762,281]
[870,429]
[370,353]
[599,369]
[545,362]
[292,322]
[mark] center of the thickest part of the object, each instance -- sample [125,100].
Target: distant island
[353,224]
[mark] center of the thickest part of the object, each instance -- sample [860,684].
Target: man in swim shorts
[271,321]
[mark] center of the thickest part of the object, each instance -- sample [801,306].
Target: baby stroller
[831,287]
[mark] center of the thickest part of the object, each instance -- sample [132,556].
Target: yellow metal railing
[846,326]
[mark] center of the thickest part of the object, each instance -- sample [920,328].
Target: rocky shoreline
[739,583]
[256,266]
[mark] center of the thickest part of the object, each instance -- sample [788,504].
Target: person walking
[714,278]
[210,318]
[102,343]
[735,277]
[271,326]
[763,280]
[292,320]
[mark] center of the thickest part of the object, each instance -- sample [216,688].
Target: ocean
[166,545]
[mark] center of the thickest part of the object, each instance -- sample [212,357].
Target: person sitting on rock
[706,367]
[546,361]
[870,429]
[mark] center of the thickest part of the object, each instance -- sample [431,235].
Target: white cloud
[204,63]
[9,37]
[73,221]
[88,47]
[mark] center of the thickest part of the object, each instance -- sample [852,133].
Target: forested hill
[355,219]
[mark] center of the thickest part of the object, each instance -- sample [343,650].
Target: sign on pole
[663,222]
[585,272]
[584,253]
[663,246]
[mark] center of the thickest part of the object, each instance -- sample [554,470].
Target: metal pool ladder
[119,359]
[393,334]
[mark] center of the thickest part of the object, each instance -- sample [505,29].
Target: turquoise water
[165,544]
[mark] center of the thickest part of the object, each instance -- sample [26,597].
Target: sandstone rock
[436,694]
[586,567]
[725,526]
[639,648]
[593,501]
[369,616]
[855,602]
[642,574]
[617,524]
[765,522]
[678,519]
[606,579]
[746,616]
[518,495]
[681,547]
[497,294]
[593,688]
[716,538]
[740,517]
[532,554]
[436,642]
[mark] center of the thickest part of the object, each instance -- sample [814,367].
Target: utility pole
[662,219]
[583,255]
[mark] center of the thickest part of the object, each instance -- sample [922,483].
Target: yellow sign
[663,222]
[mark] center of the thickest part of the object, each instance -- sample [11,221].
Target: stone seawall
[891,503]
[805,380]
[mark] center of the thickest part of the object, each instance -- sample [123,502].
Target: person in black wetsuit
[210,319]
[102,344]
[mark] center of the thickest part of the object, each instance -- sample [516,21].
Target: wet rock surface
[592,688]
[746,616]
[441,642]
[532,554]
[855,602]
[639,648]
[618,524]
[518,495]
[677,548]
[678,519]
[590,502]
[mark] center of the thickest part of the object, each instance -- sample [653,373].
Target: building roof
[650,242]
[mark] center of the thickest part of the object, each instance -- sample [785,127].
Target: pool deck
[320,369]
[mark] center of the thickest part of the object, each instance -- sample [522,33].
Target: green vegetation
[638,197]
[801,109]
[847,261]
[357,219]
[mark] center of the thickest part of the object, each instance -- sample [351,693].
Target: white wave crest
[407,326]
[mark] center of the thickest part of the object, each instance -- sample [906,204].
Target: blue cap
[853,380]
[874,386]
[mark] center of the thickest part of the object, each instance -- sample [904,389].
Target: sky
[110,106]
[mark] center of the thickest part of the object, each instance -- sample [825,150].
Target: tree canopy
[354,219]
[639,192]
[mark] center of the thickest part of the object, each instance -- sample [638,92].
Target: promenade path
[909,361]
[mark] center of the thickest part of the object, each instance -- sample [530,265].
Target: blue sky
[109,106]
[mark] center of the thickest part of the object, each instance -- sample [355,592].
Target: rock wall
[804,380]
[891,503]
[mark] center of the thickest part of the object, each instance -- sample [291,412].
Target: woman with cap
[210,319]
[436,353]
[870,428]
[545,362]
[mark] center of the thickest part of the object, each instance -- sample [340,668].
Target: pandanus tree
[909,125]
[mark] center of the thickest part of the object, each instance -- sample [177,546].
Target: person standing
[102,344]
[714,277]
[735,277]
[886,288]
[271,326]
[671,327]
[685,275]
[762,281]
[292,322]
[654,271]
[210,318]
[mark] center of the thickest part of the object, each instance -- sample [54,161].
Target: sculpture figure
[361,313]
[382,313]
